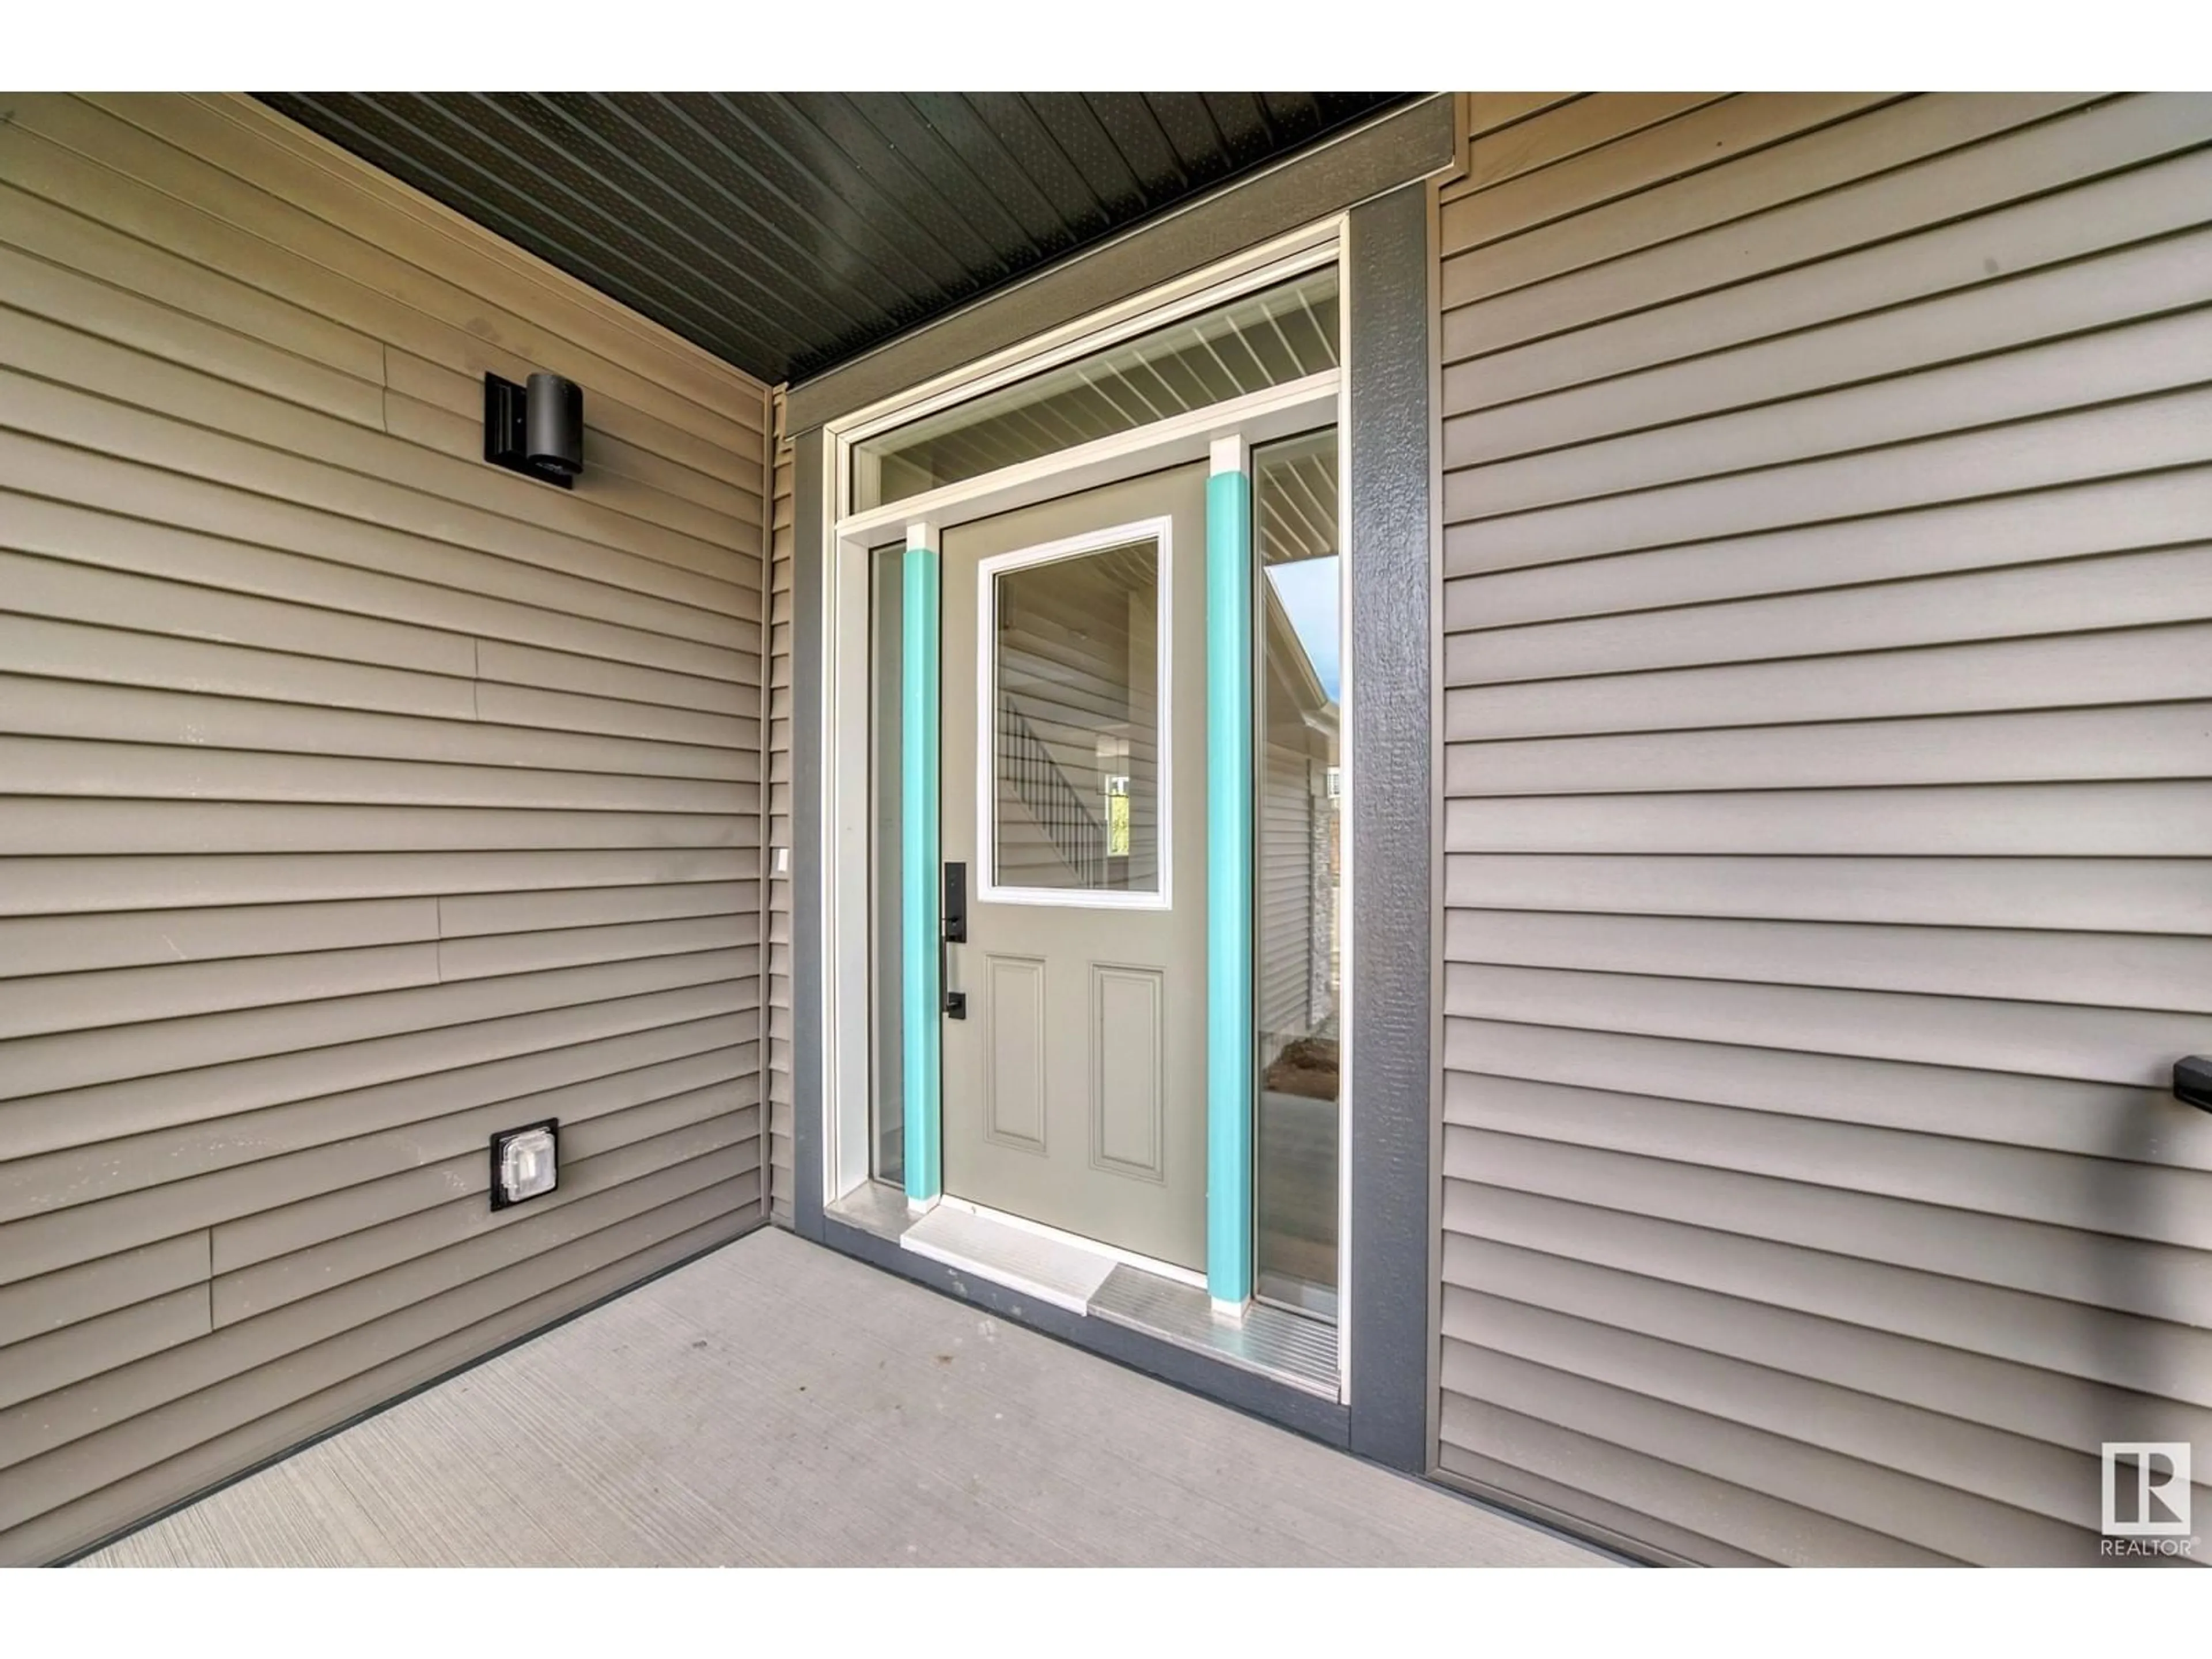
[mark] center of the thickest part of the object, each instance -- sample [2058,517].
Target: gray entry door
[1074,792]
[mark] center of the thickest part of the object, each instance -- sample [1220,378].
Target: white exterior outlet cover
[526,1163]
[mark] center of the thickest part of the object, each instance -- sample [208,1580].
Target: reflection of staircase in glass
[1054,804]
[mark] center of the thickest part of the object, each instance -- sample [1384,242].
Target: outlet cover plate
[526,1163]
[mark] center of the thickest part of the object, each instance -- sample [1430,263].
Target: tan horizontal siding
[47,707]
[101,1284]
[318,1393]
[563,564]
[1603,296]
[2103,666]
[149,1183]
[1909,130]
[358,800]
[41,886]
[264,1248]
[44,825]
[1550,137]
[315,1257]
[633,444]
[1828,764]
[1566,161]
[1286,896]
[777,1034]
[162,1405]
[1549,1207]
[220,537]
[2128,894]
[2111,969]
[2060,1115]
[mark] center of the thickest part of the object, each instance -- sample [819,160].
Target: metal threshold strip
[1268,1341]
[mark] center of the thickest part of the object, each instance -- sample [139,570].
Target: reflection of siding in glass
[1076,675]
[1297,886]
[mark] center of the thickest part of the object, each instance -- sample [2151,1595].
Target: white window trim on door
[987,889]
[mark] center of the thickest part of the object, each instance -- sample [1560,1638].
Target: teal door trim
[920,874]
[1229,746]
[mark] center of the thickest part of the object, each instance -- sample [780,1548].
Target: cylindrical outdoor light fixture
[538,430]
[553,423]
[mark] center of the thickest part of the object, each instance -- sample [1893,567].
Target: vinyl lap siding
[1286,896]
[1825,742]
[356,801]
[779,1012]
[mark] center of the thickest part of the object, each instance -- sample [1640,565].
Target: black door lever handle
[955,1002]
[956,903]
[951,930]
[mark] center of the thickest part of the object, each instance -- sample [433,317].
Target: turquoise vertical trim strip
[1228,1039]
[920,875]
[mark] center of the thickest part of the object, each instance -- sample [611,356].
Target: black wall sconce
[536,430]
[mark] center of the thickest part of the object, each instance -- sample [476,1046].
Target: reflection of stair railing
[1059,807]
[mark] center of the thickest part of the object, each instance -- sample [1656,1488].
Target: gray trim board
[1407,143]
[1386,274]
[809,577]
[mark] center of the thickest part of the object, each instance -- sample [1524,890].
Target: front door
[1074,756]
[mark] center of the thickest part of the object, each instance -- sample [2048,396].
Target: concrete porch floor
[774,1404]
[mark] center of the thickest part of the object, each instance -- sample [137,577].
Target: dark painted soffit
[788,232]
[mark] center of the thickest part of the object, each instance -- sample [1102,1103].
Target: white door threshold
[1054,1271]
[1091,1280]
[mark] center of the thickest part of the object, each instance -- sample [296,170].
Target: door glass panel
[1280,334]
[1075,645]
[886,1096]
[1298,843]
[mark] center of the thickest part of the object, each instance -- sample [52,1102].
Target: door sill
[1094,1247]
[1065,1272]
[1286,1347]
[1052,1270]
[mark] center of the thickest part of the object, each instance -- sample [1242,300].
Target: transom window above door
[1280,334]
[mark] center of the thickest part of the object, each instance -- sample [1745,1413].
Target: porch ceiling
[788,232]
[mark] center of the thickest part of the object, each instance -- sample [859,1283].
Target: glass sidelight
[1298,867]
[886,1093]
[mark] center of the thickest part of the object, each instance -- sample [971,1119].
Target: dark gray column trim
[1386,264]
[1386,272]
[1410,143]
[809,577]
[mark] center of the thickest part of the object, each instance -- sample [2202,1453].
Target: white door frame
[843,859]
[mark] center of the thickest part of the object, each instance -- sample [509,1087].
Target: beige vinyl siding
[357,800]
[1825,744]
[779,1035]
[1285,895]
